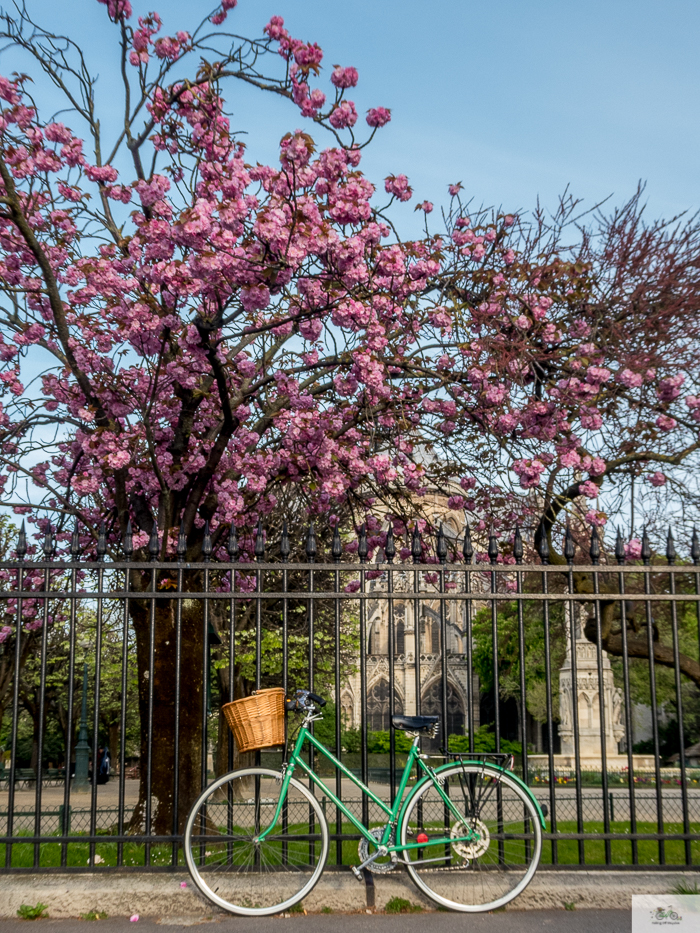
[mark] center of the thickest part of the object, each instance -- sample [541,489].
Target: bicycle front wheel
[236,869]
[489,870]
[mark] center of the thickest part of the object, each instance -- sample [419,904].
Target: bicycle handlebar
[301,701]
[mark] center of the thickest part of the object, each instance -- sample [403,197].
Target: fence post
[64,816]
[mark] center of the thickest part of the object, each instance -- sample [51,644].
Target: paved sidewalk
[160,895]
[509,921]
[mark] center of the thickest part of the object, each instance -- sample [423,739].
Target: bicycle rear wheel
[485,873]
[236,870]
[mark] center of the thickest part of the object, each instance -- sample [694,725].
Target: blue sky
[515,99]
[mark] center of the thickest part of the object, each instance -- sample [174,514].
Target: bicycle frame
[393,813]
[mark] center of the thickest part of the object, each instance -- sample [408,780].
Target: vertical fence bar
[417,556]
[441,551]
[646,558]
[518,555]
[574,609]
[544,556]
[65,823]
[206,555]
[468,554]
[671,557]
[311,557]
[595,556]
[392,679]
[178,697]
[259,555]
[493,559]
[631,794]
[128,549]
[364,763]
[21,551]
[48,549]
[153,550]
[96,764]
[337,553]
[284,553]
[232,549]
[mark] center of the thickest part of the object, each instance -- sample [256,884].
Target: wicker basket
[257,721]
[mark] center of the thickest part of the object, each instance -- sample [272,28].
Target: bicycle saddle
[415,723]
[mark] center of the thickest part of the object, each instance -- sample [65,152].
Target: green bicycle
[468,833]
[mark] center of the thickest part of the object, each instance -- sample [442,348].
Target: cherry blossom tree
[185,336]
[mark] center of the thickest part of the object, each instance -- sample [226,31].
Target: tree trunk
[113,743]
[163,766]
[224,763]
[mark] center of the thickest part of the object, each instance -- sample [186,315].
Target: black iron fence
[112,674]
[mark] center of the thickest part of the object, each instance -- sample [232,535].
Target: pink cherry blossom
[398,186]
[344,77]
[344,115]
[378,116]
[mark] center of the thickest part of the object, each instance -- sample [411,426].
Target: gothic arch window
[431,705]
[375,638]
[400,638]
[379,708]
[347,711]
[430,633]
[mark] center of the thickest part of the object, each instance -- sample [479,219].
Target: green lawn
[620,849]
[567,850]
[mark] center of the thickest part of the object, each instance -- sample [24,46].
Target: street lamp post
[82,749]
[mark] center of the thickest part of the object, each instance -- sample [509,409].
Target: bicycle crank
[389,860]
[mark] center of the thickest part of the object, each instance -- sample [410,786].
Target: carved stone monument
[586,694]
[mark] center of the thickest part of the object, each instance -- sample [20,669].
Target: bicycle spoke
[237,869]
[487,869]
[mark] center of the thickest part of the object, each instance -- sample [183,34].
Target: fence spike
[48,542]
[362,546]
[181,547]
[594,549]
[311,549]
[232,544]
[127,542]
[22,542]
[101,542]
[569,545]
[337,545]
[493,547]
[441,545]
[670,548]
[285,547]
[646,547]
[543,547]
[416,545]
[75,542]
[206,543]
[695,547]
[467,547]
[153,543]
[259,541]
[390,546]
[518,545]
[619,548]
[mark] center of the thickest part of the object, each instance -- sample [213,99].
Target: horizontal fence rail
[113,673]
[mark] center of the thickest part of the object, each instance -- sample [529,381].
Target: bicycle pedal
[357,873]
